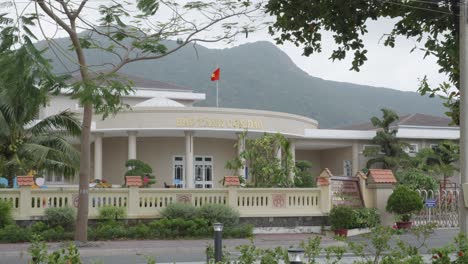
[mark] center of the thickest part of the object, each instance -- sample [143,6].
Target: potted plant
[404,202]
[139,168]
[341,219]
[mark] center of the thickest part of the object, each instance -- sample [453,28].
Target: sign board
[346,191]
[430,203]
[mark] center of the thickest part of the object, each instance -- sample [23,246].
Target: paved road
[188,251]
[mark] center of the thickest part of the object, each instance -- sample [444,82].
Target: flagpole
[217,89]
[217,105]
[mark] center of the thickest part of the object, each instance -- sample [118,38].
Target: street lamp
[295,255]
[218,237]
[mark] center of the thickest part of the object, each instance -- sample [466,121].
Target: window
[52,177]
[203,172]
[347,168]
[178,172]
[434,146]
[412,149]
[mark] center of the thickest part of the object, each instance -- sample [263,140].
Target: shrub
[178,227]
[238,231]
[64,217]
[108,231]
[341,217]
[221,213]
[6,217]
[303,178]
[14,234]
[38,227]
[365,218]
[416,179]
[112,213]
[56,234]
[179,210]
[404,202]
[140,231]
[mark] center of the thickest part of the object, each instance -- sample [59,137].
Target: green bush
[56,234]
[179,210]
[108,231]
[365,218]
[15,234]
[64,217]
[242,231]
[112,213]
[221,213]
[416,179]
[404,202]
[6,217]
[341,217]
[140,231]
[303,178]
[178,227]
[39,227]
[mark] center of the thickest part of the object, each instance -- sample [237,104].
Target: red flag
[215,75]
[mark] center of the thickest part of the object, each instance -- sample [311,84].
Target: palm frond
[65,121]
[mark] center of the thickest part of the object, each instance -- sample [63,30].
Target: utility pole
[463,112]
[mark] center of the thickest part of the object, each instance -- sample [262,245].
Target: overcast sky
[395,68]
[386,67]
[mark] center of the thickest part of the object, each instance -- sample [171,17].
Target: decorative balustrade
[147,202]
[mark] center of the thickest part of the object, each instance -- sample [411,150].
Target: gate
[445,212]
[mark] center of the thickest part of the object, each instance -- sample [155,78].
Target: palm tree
[27,143]
[390,152]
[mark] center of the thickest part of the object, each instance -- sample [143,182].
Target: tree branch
[51,14]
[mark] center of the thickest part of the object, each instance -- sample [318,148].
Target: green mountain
[261,76]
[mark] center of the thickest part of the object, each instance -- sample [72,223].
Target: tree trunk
[81,229]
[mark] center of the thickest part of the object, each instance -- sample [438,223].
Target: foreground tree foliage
[131,31]
[433,25]
[27,143]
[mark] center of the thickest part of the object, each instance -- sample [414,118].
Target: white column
[98,156]
[132,145]
[292,150]
[189,177]
[355,158]
[240,149]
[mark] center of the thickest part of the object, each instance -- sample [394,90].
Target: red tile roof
[231,181]
[361,175]
[322,181]
[324,178]
[25,180]
[381,176]
[133,181]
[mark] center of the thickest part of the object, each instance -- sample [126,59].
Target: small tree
[416,179]
[139,168]
[404,202]
[266,169]
[303,177]
[390,151]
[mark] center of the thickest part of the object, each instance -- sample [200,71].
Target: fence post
[133,201]
[25,183]
[381,183]
[323,182]
[232,183]
[133,183]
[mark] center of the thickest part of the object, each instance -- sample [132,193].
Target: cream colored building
[189,146]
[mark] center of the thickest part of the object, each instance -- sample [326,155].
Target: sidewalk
[193,251]
[134,251]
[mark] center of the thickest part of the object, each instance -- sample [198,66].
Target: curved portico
[200,140]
